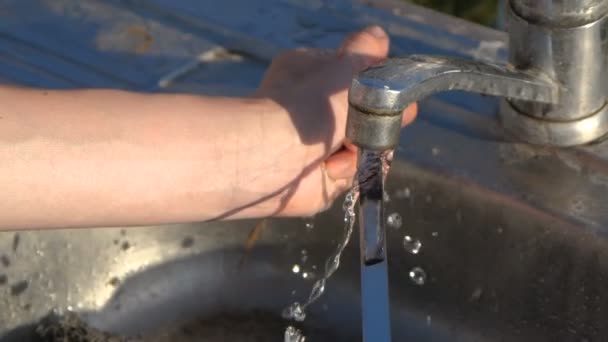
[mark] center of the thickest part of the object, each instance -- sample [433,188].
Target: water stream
[370,163]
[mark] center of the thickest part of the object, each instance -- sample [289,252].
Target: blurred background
[480,11]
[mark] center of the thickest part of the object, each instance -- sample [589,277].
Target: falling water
[366,172]
[297,311]
[293,335]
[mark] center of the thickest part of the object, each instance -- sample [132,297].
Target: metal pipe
[560,12]
[574,56]
[372,228]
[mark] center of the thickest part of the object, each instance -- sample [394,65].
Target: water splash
[403,193]
[386,197]
[294,312]
[412,245]
[366,172]
[394,220]
[304,255]
[309,224]
[418,276]
[293,335]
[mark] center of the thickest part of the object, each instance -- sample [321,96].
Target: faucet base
[554,133]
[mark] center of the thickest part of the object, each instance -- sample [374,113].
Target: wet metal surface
[515,237]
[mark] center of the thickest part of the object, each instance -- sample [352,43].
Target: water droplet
[394,220]
[304,255]
[294,312]
[428,320]
[476,294]
[309,225]
[293,292]
[304,275]
[418,276]
[39,253]
[70,308]
[412,245]
[386,198]
[295,268]
[499,230]
[403,193]
[435,151]
[578,205]
[293,335]
[435,234]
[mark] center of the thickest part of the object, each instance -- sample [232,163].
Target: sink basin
[498,266]
[514,237]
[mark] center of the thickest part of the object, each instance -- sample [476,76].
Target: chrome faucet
[555,87]
[555,91]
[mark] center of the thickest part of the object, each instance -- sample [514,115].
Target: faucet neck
[574,56]
[560,13]
[565,40]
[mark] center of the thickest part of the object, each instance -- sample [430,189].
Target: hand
[311,85]
[75,158]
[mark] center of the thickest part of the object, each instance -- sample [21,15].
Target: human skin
[95,157]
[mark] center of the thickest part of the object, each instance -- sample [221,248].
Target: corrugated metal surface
[133,44]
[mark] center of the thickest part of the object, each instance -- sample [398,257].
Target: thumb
[365,48]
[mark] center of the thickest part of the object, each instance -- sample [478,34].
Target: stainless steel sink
[514,243]
[499,265]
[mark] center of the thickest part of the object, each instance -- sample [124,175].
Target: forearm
[100,157]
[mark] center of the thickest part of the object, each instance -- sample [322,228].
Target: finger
[409,114]
[365,48]
[341,165]
[340,186]
[350,146]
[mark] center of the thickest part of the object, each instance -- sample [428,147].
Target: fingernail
[376,31]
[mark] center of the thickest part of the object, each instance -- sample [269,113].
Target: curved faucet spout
[379,95]
[390,87]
